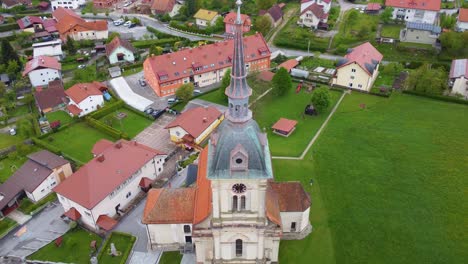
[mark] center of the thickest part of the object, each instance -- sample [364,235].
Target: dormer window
[239,159]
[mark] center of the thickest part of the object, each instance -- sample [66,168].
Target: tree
[263,25]
[281,82]
[8,53]
[2,89]
[387,15]
[155,50]
[191,7]
[25,127]
[392,69]
[111,36]
[224,84]
[185,92]
[265,4]
[12,68]
[427,80]
[70,45]
[320,99]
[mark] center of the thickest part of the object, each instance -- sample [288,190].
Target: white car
[82,66]
[12,131]
[128,23]
[127,4]
[118,22]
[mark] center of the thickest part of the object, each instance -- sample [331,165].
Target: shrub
[438,97]
[186,28]
[117,134]
[43,144]
[72,225]
[8,27]
[143,44]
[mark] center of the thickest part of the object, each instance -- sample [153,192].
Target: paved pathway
[19,217]
[312,141]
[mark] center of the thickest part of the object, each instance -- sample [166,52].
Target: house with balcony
[419,11]
[420,33]
[325,4]
[102,189]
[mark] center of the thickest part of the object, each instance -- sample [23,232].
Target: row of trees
[427,79]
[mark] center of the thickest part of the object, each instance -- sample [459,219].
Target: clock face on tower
[239,188]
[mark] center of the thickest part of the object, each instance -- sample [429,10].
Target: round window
[238,161]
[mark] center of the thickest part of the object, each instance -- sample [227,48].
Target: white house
[49,48]
[462,20]
[359,68]
[85,98]
[120,50]
[458,78]
[105,186]
[312,16]
[420,11]
[43,69]
[326,4]
[68,4]
[71,24]
[36,178]
[205,18]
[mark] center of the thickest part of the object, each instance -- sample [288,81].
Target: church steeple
[238,90]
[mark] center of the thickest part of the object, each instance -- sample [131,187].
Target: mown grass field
[389,184]
[132,124]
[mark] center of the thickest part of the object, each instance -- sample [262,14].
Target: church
[236,212]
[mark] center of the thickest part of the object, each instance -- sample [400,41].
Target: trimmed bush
[117,134]
[186,28]
[43,144]
[449,99]
[157,33]
[144,44]
[129,108]
[109,108]
[8,27]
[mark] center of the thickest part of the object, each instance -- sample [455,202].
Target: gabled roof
[81,91]
[232,16]
[275,12]
[365,55]
[196,120]
[163,6]
[42,62]
[118,42]
[73,214]
[106,222]
[67,19]
[28,21]
[204,14]
[463,15]
[317,10]
[95,180]
[100,146]
[289,64]
[373,7]
[61,13]
[284,124]
[291,196]
[433,5]
[459,68]
[51,97]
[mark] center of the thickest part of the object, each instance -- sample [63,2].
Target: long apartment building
[204,65]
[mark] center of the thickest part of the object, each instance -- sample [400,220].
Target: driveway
[135,32]
[199,102]
[146,91]
[156,136]
[39,231]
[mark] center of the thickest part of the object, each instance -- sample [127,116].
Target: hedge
[43,144]
[158,34]
[117,134]
[143,44]
[127,251]
[78,163]
[8,27]
[129,108]
[438,97]
[109,108]
[132,66]
[182,27]
[18,16]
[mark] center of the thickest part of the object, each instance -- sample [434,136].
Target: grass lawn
[63,116]
[388,184]
[77,140]
[8,166]
[295,37]
[75,248]
[355,28]
[403,53]
[7,140]
[170,257]
[311,63]
[123,243]
[5,225]
[19,110]
[26,206]
[270,109]
[132,124]
[67,66]
[391,31]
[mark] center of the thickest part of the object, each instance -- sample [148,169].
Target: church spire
[238,90]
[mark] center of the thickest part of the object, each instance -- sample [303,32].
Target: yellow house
[205,18]
[194,125]
[359,68]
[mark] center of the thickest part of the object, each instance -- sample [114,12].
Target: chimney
[118,145]
[101,158]
[205,120]
[135,142]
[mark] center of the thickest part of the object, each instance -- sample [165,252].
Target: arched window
[186,229]
[238,247]
[237,108]
[234,203]
[242,203]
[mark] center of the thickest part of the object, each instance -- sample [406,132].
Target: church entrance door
[188,239]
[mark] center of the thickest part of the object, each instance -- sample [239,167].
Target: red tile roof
[272,206]
[232,16]
[162,6]
[100,146]
[118,42]
[81,91]
[98,178]
[61,13]
[74,110]
[203,199]
[275,12]
[196,120]
[373,7]
[145,182]
[28,21]
[51,97]
[266,76]
[42,62]
[212,57]
[105,222]
[364,55]
[463,15]
[289,64]
[317,10]
[291,196]
[67,20]
[284,125]
[73,214]
[433,5]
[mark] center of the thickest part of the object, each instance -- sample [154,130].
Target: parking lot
[135,32]
[146,91]
[156,136]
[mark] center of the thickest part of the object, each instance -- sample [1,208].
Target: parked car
[142,82]
[157,113]
[127,24]
[127,4]
[197,92]
[132,25]
[81,66]
[172,100]
[12,131]
[149,111]
[118,22]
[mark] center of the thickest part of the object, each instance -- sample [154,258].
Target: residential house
[43,5]
[203,65]
[420,33]
[325,4]
[68,4]
[458,78]
[274,13]
[230,20]
[161,7]
[36,178]
[7,4]
[462,20]
[359,68]
[105,186]
[49,48]
[289,64]
[104,3]
[43,69]
[51,98]
[193,126]
[313,16]
[120,50]
[70,24]
[420,11]
[373,8]
[30,24]
[85,98]
[205,18]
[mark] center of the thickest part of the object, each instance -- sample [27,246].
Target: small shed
[115,71]
[284,127]
[4,78]
[299,73]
